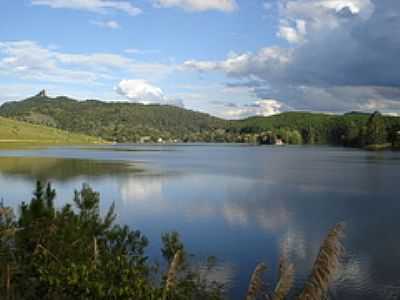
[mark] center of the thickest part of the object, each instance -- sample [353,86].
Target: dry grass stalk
[5,211]
[46,251]
[285,282]
[172,272]
[325,265]
[256,282]
[95,249]
[8,280]
[10,232]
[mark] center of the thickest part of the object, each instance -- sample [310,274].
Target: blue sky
[230,58]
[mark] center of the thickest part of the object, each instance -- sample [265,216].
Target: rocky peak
[42,93]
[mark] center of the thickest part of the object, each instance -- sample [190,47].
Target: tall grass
[172,273]
[256,285]
[285,281]
[316,287]
[325,265]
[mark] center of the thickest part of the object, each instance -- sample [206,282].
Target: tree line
[133,123]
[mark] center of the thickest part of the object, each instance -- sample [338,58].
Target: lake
[241,204]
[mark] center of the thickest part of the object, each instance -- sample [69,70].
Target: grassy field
[20,134]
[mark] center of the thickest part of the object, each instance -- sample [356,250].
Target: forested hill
[131,122]
[116,121]
[354,129]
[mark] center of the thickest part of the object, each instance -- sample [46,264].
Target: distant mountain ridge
[133,122]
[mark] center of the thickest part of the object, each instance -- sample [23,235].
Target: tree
[77,253]
[308,135]
[171,245]
[376,130]
[351,136]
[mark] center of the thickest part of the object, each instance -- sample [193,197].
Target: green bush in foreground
[74,253]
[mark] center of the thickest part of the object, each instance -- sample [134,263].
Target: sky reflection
[242,205]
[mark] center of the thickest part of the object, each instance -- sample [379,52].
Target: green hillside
[21,133]
[132,122]
[315,128]
[354,129]
[122,122]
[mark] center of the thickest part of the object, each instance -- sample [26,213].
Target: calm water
[240,203]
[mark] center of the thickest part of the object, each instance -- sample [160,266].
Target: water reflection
[243,204]
[61,169]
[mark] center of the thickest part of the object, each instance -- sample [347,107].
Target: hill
[315,128]
[132,122]
[21,133]
[122,122]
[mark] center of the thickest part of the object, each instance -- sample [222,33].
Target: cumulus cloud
[272,60]
[26,59]
[107,24]
[344,56]
[265,107]
[199,5]
[293,33]
[141,91]
[318,15]
[29,60]
[96,6]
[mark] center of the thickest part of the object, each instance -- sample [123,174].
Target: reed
[325,266]
[172,273]
[256,285]
[285,281]
[316,287]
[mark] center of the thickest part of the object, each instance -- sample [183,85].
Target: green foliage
[121,122]
[351,130]
[132,122]
[41,205]
[171,245]
[376,130]
[76,253]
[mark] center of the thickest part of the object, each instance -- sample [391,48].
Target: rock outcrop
[42,93]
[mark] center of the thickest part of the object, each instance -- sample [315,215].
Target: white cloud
[141,91]
[293,34]
[317,15]
[265,107]
[96,6]
[141,51]
[102,60]
[26,59]
[29,60]
[272,60]
[335,63]
[107,24]
[199,5]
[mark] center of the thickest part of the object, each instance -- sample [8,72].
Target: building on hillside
[145,139]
